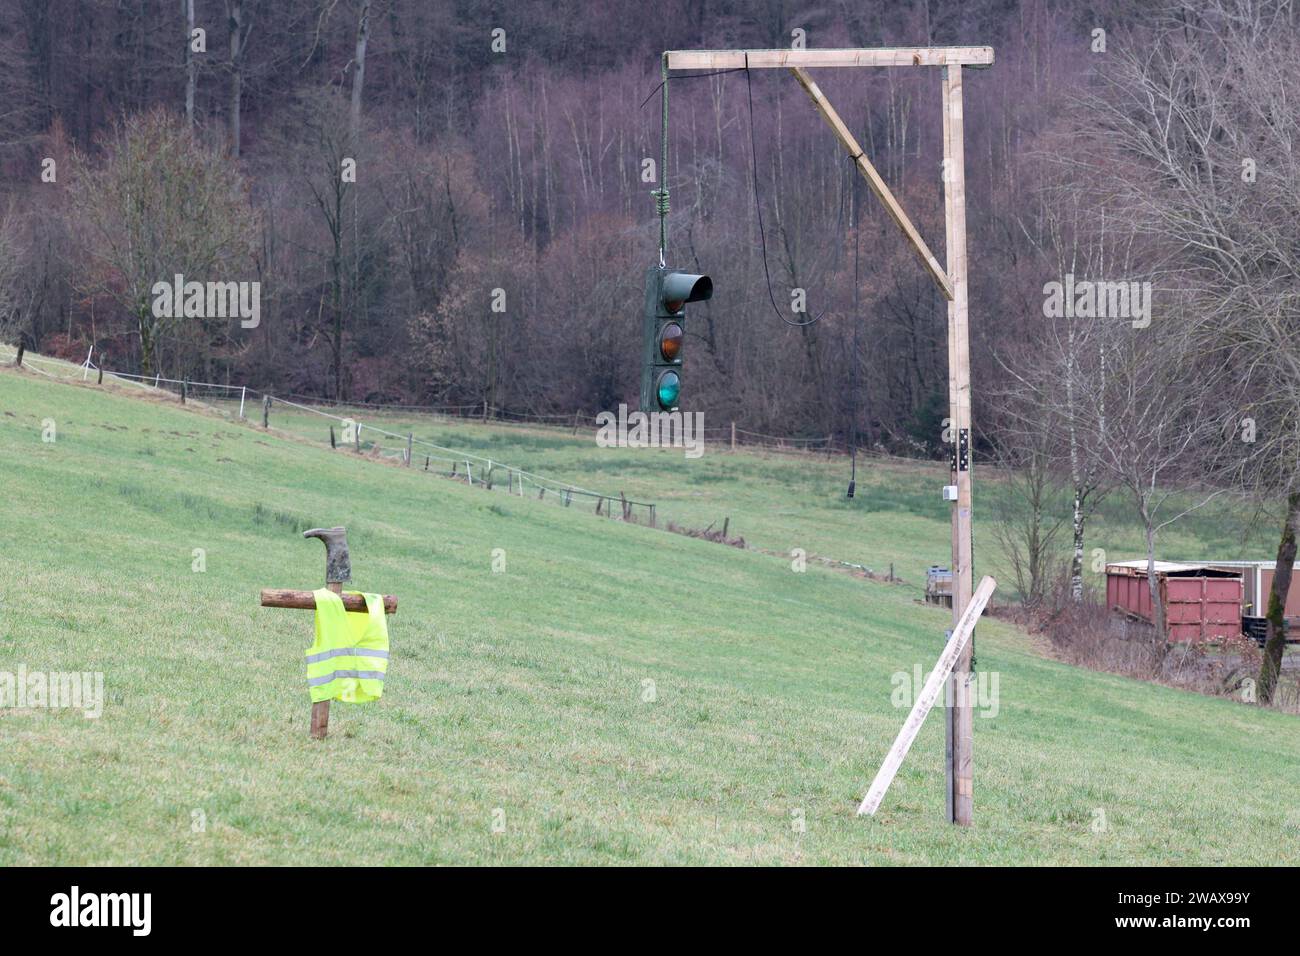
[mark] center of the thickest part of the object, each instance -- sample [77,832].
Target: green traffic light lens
[669,387]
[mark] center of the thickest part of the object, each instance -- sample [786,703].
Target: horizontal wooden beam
[878,185]
[784,59]
[306,600]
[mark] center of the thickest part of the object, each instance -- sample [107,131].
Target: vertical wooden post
[410,440]
[320,710]
[954,194]
[733,436]
[333,443]
[22,347]
[185,390]
[100,380]
[266,411]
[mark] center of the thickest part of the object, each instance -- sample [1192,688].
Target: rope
[661,195]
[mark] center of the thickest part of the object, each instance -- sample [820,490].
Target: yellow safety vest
[349,659]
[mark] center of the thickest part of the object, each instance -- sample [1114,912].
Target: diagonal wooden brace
[928,695]
[878,185]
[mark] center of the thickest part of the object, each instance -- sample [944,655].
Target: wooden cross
[338,569]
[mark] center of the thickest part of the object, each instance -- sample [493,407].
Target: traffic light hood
[682,287]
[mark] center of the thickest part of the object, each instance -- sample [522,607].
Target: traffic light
[663,332]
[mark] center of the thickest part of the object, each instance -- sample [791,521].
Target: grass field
[616,695]
[779,501]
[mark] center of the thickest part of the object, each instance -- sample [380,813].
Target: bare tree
[1159,428]
[1193,137]
[157,204]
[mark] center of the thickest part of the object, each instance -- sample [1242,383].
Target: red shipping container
[1201,603]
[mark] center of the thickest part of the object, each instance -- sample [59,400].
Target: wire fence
[246,403]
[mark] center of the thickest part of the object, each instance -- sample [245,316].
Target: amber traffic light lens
[670,342]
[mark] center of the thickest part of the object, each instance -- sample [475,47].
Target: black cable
[758,207]
[691,76]
[853,373]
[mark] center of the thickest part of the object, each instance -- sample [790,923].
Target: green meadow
[564,688]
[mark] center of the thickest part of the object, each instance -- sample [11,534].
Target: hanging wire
[758,207]
[661,194]
[857,320]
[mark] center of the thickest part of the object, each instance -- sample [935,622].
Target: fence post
[332,442]
[243,393]
[185,390]
[733,436]
[266,411]
[356,436]
[623,498]
[652,516]
[485,409]
[410,438]
[22,347]
[101,376]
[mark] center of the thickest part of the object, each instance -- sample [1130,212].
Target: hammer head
[338,565]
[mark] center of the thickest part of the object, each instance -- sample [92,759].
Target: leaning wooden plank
[929,693]
[776,59]
[878,185]
[306,600]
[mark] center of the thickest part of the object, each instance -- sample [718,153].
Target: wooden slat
[306,600]
[776,59]
[929,694]
[877,184]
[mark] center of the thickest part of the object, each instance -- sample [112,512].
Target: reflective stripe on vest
[349,658]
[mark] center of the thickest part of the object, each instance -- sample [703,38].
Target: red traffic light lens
[670,342]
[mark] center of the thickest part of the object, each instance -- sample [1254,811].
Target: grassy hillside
[779,501]
[524,697]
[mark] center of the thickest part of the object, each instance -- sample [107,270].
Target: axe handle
[306,600]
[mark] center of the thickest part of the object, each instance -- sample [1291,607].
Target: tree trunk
[235,15]
[1076,559]
[1153,585]
[146,342]
[359,76]
[190,75]
[1275,643]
